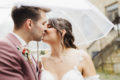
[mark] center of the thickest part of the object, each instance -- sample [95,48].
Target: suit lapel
[39,71]
[33,68]
[16,43]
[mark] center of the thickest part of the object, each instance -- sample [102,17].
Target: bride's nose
[45,30]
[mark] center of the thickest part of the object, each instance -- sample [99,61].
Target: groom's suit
[13,66]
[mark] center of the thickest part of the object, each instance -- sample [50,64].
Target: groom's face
[38,28]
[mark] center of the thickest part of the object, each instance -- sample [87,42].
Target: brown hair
[21,14]
[60,24]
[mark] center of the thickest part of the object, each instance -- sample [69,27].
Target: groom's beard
[38,39]
[36,36]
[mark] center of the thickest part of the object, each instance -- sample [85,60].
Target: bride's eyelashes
[49,26]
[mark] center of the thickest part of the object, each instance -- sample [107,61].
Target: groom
[28,26]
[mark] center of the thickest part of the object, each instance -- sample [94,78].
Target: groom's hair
[21,14]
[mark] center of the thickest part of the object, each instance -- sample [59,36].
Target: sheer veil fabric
[88,23]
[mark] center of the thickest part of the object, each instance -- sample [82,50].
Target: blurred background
[105,52]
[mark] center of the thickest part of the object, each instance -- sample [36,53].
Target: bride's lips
[43,36]
[44,33]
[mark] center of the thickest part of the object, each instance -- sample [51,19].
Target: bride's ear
[63,32]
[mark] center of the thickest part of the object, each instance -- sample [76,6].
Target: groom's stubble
[39,27]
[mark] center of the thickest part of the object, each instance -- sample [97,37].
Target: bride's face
[50,34]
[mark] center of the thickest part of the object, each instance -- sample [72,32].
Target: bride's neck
[57,49]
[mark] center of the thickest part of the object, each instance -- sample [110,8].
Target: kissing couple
[65,62]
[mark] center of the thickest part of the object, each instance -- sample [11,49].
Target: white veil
[89,24]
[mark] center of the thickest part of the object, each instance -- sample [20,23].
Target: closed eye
[49,26]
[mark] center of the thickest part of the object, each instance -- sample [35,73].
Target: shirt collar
[20,39]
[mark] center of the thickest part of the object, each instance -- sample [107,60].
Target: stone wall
[112,63]
[102,4]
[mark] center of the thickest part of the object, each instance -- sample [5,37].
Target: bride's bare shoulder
[83,53]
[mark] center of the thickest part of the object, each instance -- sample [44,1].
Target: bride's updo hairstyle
[62,24]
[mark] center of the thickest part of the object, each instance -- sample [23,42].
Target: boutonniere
[24,51]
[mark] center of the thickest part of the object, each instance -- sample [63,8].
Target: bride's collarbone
[62,61]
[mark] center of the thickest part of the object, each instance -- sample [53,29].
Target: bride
[65,62]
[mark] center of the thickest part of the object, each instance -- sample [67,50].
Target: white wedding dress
[73,74]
